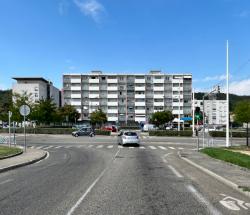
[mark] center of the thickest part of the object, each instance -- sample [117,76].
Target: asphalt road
[94,176]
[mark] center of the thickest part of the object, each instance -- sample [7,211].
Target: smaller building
[215,110]
[38,88]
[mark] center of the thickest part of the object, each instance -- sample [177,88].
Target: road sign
[24,110]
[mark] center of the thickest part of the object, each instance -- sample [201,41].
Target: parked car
[128,137]
[112,128]
[149,127]
[85,131]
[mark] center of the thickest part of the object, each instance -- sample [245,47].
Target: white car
[128,137]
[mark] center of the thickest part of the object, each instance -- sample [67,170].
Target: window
[121,78]
[36,95]
[103,78]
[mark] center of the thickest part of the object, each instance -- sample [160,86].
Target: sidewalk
[230,174]
[28,157]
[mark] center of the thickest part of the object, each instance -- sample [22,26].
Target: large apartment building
[130,97]
[37,88]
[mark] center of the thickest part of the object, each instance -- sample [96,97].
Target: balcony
[75,80]
[75,103]
[112,80]
[112,103]
[76,96]
[142,104]
[112,96]
[91,104]
[92,96]
[159,81]
[97,88]
[176,96]
[157,111]
[159,104]
[158,96]
[139,96]
[140,111]
[140,118]
[112,118]
[177,104]
[94,81]
[177,112]
[112,110]
[75,88]
[114,88]
[140,81]
[177,88]
[177,81]
[139,88]
[158,88]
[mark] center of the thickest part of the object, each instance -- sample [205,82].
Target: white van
[149,127]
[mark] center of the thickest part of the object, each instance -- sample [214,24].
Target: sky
[49,38]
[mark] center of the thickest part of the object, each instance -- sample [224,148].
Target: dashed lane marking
[162,147]
[152,147]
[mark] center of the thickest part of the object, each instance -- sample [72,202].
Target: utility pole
[193,113]
[227,112]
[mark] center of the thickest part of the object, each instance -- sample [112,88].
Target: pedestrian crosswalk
[141,147]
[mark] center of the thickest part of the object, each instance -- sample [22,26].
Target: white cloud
[244,14]
[215,78]
[240,87]
[63,7]
[91,8]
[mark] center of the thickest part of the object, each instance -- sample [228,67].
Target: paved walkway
[28,157]
[231,173]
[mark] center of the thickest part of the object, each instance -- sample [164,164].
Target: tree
[160,118]
[5,104]
[242,114]
[68,113]
[98,117]
[44,111]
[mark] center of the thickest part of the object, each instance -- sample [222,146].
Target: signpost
[10,114]
[24,111]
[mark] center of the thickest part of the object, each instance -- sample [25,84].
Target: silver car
[128,137]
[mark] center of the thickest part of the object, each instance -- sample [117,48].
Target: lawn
[6,151]
[225,154]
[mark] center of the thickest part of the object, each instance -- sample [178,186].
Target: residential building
[128,97]
[215,110]
[38,88]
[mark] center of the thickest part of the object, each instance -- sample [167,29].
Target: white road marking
[6,181]
[203,200]
[141,147]
[32,147]
[48,147]
[131,147]
[180,148]
[162,147]
[110,147]
[233,204]
[68,147]
[75,206]
[100,146]
[58,147]
[171,147]
[90,146]
[120,147]
[152,147]
[39,147]
[175,171]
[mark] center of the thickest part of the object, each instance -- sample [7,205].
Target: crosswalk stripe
[100,146]
[180,148]
[39,147]
[120,147]
[48,147]
[152,147]
[90,146]
[142,147]
[110,147]
[131,147]
[58,147]
[162,147]
[32,147]
[171,147]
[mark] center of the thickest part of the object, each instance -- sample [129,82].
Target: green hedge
[51,131]
[129,128]
[171,133]
[223,134]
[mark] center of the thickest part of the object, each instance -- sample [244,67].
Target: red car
[110,128]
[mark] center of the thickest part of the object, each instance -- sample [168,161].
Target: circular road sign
[24,110]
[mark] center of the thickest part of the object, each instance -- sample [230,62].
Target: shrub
[102,132]
[223,134]
[129,128]
[171,133]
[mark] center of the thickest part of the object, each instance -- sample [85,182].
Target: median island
[6,151]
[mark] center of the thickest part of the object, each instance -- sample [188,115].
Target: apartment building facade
[130,97]
[38,88]
[215,110]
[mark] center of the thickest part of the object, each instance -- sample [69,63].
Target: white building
[128,97]
[215,110]
[37,87]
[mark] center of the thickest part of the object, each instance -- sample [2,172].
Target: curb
[218,177]
[10,156]
[23,164]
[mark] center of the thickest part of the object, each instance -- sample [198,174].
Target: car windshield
[130,134]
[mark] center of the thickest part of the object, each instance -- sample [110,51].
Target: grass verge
[228,156]
[6,151]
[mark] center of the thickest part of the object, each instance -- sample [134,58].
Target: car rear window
[130,134]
